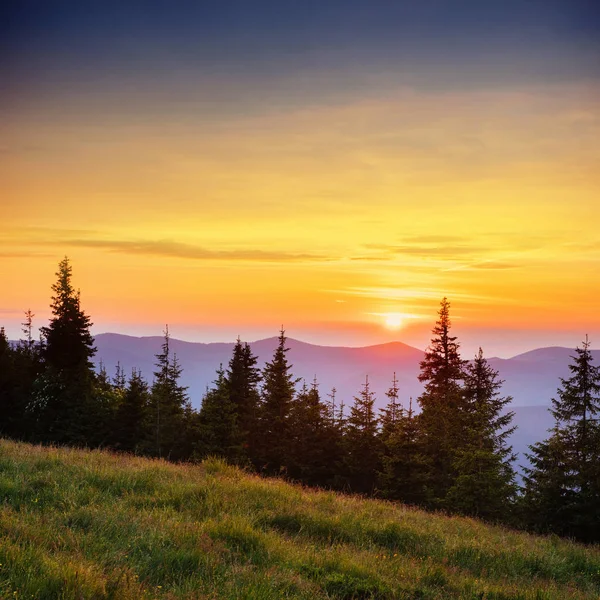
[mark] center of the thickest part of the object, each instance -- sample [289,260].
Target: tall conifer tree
[242,379]
[218,422]
[485,483]
[9,408]
[131,428]
[362,443]
[168,404]
[313,451]
[403,474]
[63,396]
[277,396]
[441,420]
[562,487]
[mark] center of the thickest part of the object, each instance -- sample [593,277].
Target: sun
[394,320]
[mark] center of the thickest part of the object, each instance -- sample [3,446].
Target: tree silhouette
[242,379]
[403,473]
[63,395]
[277,397]
[168,404]
[442,404]
[218,426]
[362,443]
[562,487]
[131,424]
[485,483]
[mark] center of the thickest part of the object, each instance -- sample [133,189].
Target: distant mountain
[344,368]
[530,378]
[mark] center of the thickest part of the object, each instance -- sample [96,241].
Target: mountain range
[531,378]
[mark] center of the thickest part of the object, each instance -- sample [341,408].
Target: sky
[333,167]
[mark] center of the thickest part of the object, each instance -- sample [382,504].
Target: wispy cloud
[397,293]
[371,258]
[434,239]
[490,264]
[168,248]
[427,250]
[24,254]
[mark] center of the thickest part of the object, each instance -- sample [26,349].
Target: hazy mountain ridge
[531,378]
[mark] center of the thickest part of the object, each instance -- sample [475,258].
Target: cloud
[24,254]
[370,258]
[494,265]
[172,249]
[398,293]
[427,250]
[434,239]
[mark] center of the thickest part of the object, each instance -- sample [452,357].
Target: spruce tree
[218,426]
[563,484]
[10,412]
[362,443]
[331,406]
[392,413]
[276,402]
[313,451]
[20,366]
[102,410]
[548,500]
[403,475]
[132,426]
[119,380]
[242,379]
[69,345]
[485,483]
[441,422]
[168,404]
[63,394]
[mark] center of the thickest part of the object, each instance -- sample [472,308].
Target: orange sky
[325,215]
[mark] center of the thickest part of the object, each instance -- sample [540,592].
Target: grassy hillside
[82,525]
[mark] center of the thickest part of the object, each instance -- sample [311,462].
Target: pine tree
[102,379]
[442,403]
[131,428]
[242,378]
[548,500]
[102,410]
[331,406]
[69,344]
[9,409]
[20,365]
[63,394]
[168,404]
[313,451]
[403,474]
[28,329]
[119,380]
[277,396]
[362,443]
[563,484]
[341,420]
[218,427]
[485,484]
[392,413]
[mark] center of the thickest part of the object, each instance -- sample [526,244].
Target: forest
[448,452]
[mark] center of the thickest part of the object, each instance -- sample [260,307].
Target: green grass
[84,525]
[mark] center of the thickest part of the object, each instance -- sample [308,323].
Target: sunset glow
[308,180]
[394,321]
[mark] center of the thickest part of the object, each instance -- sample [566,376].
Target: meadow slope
[84,525]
